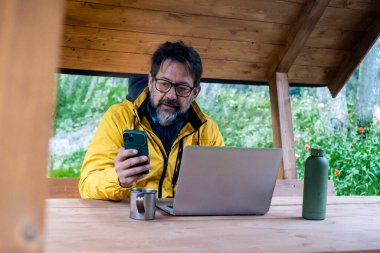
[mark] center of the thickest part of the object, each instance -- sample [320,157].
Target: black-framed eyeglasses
[164,86]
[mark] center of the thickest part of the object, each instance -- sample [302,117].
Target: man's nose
[171,93]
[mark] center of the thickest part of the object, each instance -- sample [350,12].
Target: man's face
[168,105]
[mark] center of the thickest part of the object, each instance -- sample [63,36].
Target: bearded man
[166,110]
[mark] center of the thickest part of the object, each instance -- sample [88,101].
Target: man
[166,110]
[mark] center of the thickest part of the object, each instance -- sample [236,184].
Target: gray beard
[166,119]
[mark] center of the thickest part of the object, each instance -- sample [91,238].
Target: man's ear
[151,82]
[196,93]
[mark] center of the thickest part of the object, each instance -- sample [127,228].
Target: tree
[368,94]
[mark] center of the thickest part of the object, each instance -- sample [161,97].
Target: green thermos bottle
[315,186]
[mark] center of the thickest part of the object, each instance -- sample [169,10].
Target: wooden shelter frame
[30,48]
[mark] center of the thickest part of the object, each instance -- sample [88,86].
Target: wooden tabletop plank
[121,214]
[288,200]
[352,224]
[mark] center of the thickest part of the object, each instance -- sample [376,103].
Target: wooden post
[282,123]
[30,33]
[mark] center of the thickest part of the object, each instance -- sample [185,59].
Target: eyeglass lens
[165,86]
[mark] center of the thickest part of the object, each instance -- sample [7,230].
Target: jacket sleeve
[218,138]
[211,134]
[99,179]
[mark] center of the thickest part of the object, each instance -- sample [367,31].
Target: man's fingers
[128,166]
[129,176]
[124,154]
[134,171]
[131,162]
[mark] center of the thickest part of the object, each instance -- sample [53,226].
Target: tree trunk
[336,114]
[368,96]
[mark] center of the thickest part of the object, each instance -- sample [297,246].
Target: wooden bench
[294,187]
[63,188]
[68,188]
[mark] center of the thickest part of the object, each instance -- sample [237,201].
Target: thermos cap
[317,152]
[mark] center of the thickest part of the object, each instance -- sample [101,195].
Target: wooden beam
[348,66]
[281,12]
[133,63]
[309,74]
[30,32]
[367,5]
[174,24]
[298,36]
[147,43]
[282,123]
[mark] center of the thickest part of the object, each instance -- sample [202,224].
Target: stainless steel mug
[143,204]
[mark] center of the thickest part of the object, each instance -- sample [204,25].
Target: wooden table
[76,225]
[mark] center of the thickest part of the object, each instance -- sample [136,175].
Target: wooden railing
[68,188]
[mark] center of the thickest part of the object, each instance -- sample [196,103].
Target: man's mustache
[171,102]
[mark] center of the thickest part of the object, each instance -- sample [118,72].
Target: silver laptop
[224,181]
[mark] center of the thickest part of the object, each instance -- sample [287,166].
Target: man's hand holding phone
[129,167]
[132,161]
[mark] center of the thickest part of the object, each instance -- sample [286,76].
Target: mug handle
[140,203]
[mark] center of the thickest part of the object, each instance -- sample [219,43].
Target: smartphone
[136,139]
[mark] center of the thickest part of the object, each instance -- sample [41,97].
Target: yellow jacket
[99,179]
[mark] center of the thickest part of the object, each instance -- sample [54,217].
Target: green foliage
[242,113]
[81,101]
[81,98]
[70,165]
[353,153]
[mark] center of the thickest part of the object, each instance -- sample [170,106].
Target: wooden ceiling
[317,42]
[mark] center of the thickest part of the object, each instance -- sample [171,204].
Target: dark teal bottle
[315,186]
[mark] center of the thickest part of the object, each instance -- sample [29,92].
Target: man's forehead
[175,69]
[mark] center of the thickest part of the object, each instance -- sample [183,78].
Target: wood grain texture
[140,64]
[30,33]
[298,36]
[62,188]
[323,37]
[132,63]
[310,74]
[68,188]
[284,12]
[347,19]
[239,40]
[147,43]
[171,23]
[319,57]
[294,187]
[259,10]
[368,5]
[282,124]
[352,224]
[348,66]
